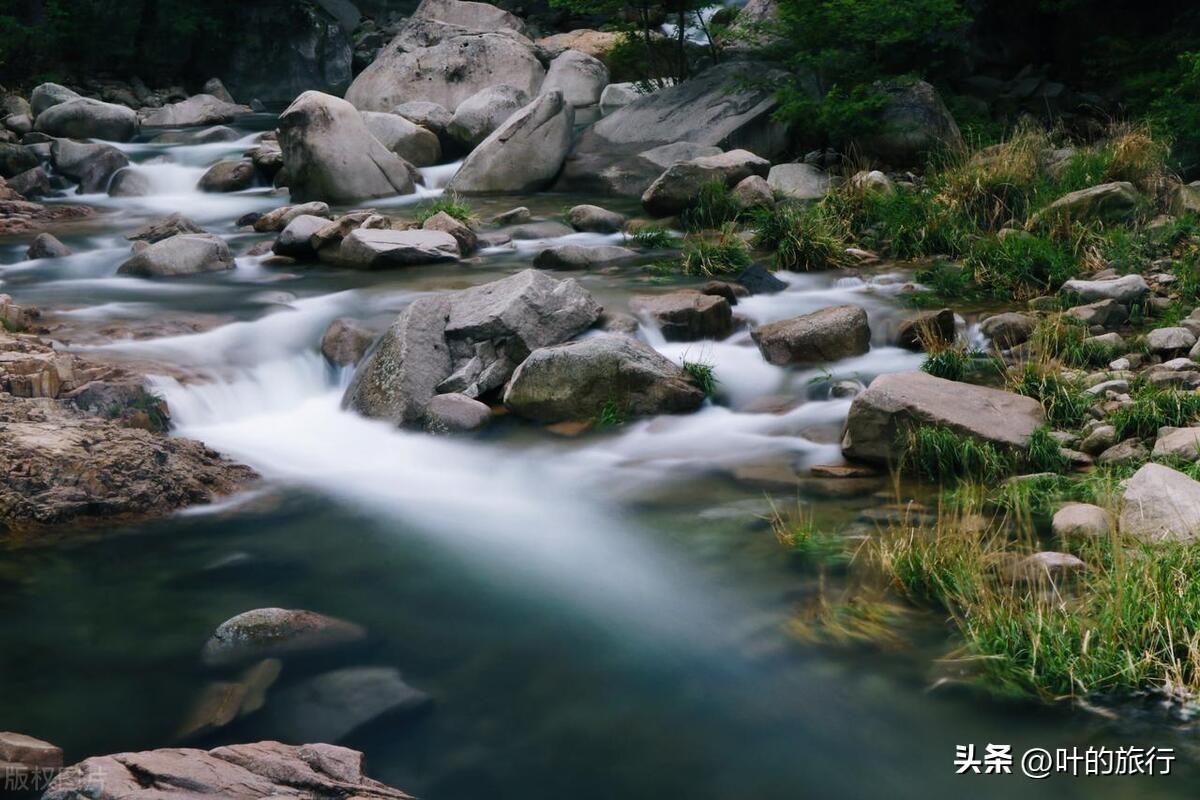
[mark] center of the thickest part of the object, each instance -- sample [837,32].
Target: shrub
[802,238]
[703,374]
[714,207]
[716,256]
[938,454]
[1153,408]
[652,237]
[1065,403]
[1020,266]
[450,204]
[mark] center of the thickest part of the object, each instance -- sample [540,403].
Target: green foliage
[802,536]
[940,454]
[1065,403]
[714,207]
[1153,408]
[703,374]
[652,237]
[959,363]
[1068,341]
[611,415]
[1020,266]
[802,238]
[708,257]
[450,204]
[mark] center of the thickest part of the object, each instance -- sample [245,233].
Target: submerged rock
[900,401]
[275,633]
[578,380]
[259,770]
[331,706]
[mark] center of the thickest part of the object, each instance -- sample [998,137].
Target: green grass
[802,238]
[1066,403]
[1020,267]
[450,204]
[708,257]
[960,363]
[803,537]
[1066,340]
[652,237]
[939,454]
[611,415]
[714,207]
[703,374]
[1153,408]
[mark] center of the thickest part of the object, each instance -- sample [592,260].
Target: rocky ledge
[262,769]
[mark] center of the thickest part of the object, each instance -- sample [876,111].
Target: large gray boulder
[330,155]
[718,107]
[483,112]
[46,95]
[1160,504]
[416,145]
[896,403]
[798,181]
[679,186]
[685,315]
[1124,290]
[447,52]
[830,334]
[185,254]
[467,342]
[198,110]
[578,380]
[15,159]
[1108,202]
[260,769]
[522,155]
[580,77]
[92,165]
[227,176]
[376,248]
[914,124]
[84,118]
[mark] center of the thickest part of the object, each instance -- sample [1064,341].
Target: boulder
[185,254]
[872,181]
[1102,313]
[685,315]
[277,633]
[367,248]
[618,95]
[1178,443]
[215,88]
[466,342]
[47,246]
[757,279]
[1124,290]
[295,241]
[630,176]
[1008,329]
[585,40]
[753,192]
[20,124]
[15,159]
[27,761]
[31,184]
[345,342]
[1081,521]
[431,116]
[678,187]
[444,57]
[543,229]
[278,219]
[830,334]
[914,124]
[483,112]
[1108,202]
[927,327]
[578,256]
[333,705]
[578,380]
[1168,342]
[898,402]
[1160,504]
[1130,451]
[595,219]
[462,233]
[88,119]
[456,413]
[522,155]
[798,181]
[330,155]
[227,176]
[416,145]
[92,165]
[718,107]
[258,770]
[198,110]
[164,228]
[580,77]
[47,95]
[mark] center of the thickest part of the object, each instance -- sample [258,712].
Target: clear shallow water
[597,617]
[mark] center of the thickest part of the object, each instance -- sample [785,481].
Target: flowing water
[595,617]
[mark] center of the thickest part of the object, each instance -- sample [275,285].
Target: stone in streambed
[31,184]
[830,334]
[185,254]
[677,188]
[345,342]
[331,706]
[456,413]
[92,165]
[198,110]
[416,145]
[462,233]
[594,219]
[483,112]
[275,633]
[577,380]
[84,118]
[278,219]
[1160,504]
[130,182]
[47,246]
[295,240]
[381,249]
[753,192]
[798,181]
[164,228]
[227,176]
[686,315]
[577,256]
[1081,521]
[15,159]
[925,328]
[1123,290]
[1008,329]
[898,402]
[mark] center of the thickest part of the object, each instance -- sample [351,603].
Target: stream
[595,617]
